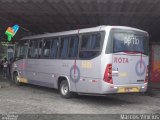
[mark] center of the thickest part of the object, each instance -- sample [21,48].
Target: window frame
[53,39]
[118,30]
[37,40]
[79,37]
[102,36]
[26,56]
[69,36]
[73,36]
[42,54]
[59,54]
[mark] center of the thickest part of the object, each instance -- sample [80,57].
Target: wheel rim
[64,89]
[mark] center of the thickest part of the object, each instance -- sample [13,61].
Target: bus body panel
[39,72]
[90,76]
[125,78]
[46,73]
[129,69]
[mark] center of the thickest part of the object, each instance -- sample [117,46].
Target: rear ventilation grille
[140,80]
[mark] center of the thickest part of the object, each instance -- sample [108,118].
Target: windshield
[129,42]
[21,50]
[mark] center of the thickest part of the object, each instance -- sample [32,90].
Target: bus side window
[46,48]
[40,49]
[33,49]
[73,47]
[54,48]
[64,47]
[30,49]
[20,50]
[90,45]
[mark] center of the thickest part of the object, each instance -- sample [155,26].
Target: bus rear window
[128,42]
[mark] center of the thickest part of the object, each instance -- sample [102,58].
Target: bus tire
[15,78]
[64,89]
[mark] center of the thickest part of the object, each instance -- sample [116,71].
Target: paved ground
[38,100]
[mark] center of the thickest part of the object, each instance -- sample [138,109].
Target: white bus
[99,60]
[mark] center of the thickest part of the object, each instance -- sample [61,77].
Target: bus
[97,61]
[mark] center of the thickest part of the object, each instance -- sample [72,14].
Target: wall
[155,65]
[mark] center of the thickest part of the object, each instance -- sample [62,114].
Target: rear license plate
[128,89]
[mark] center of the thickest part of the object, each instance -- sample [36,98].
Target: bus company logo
[140,67]
[75,73]
[120,60]
[11,31]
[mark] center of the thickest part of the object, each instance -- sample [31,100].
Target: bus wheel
[15,78]
[64,89]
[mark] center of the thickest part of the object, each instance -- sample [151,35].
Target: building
[41,16]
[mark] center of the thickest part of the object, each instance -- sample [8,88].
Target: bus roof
[85,30]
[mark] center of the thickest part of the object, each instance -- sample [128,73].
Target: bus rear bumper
[130,88]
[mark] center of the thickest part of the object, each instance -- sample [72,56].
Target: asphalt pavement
[30,99]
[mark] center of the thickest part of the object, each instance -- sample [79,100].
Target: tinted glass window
[128,42]
[73,47]
[64,47]
[90,42]
[40,49]
[21,50]
[90,45]
[33,49]
[46,48]
[54,47]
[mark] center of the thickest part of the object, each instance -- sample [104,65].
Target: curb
[5,85]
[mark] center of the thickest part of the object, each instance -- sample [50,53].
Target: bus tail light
[147,74]
[108,74]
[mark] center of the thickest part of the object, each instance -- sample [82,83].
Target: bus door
[36,70]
